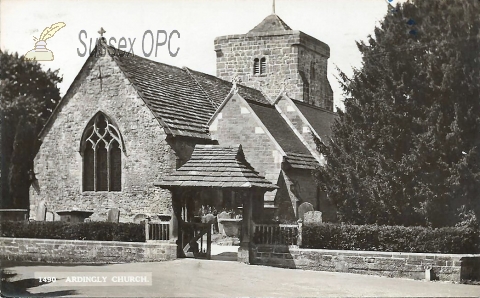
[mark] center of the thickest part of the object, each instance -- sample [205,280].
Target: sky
[338,23]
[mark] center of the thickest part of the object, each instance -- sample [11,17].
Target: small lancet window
[263,65]
[102,156]
[256,66]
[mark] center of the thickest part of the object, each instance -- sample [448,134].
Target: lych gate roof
[216,166]
[270,24]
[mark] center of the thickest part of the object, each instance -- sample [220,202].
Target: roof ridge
[311,106]
[143,58]
[200,86]
[226,81]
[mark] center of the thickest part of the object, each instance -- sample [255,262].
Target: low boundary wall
[85,251]
[447,267]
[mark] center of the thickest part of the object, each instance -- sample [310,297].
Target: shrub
[100,231]
[391,238]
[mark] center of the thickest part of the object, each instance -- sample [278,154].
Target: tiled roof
[216,166]
[297,153]
[218,89]
[171,94]
[301,161]
[182,99]
[319,119]
[270,24]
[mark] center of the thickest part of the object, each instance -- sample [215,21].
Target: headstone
[41,212]
[56,217]
[312,217]
[303,208]
[113,215]
[50,216]
[139,218]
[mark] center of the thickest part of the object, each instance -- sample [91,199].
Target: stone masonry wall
[446,267]
[303,188]
[293,59]
[237,125]
[82,251]
[147,156]
[313,67]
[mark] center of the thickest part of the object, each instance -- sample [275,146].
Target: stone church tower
[272,56]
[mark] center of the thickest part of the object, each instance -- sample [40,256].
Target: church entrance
[196,225]
[198,189]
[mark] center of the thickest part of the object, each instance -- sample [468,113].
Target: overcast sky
[338,23]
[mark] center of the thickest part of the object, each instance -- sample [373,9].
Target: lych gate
[212,171]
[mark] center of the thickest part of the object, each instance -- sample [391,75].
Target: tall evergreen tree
[28,96]
[406,150]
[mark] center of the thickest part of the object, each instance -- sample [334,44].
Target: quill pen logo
[40,52]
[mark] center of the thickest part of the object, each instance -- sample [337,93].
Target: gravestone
[140,218]
[41,212]
[312,217]
[113,215]
[304,208]
[50,216]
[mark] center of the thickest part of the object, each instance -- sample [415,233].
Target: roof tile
[225,166]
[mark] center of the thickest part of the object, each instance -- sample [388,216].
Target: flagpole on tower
[273,7]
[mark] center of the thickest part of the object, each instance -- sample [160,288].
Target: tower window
[259,66]
[263,65]
[256,66]
[102,155]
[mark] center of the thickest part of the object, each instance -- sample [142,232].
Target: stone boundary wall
[445,267]
[85,251]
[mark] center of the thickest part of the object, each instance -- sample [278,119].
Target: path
[215,278]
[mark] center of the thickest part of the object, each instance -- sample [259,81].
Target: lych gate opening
[214,176]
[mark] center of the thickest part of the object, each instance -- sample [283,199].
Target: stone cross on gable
[101,31]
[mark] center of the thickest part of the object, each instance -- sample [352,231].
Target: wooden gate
[196,240]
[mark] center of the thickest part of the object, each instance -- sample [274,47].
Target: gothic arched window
[102,155]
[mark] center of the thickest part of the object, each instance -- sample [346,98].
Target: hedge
[391,238]
[100,231]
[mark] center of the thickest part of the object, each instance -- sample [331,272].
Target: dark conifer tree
[406,149]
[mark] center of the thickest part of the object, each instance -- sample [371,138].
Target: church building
[127,122]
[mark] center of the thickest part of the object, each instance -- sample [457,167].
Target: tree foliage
[28,96]
[406,149]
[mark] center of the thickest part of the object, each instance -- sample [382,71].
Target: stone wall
[237,124]
[82,251]
[146,158]
[446,267]
[293,58]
